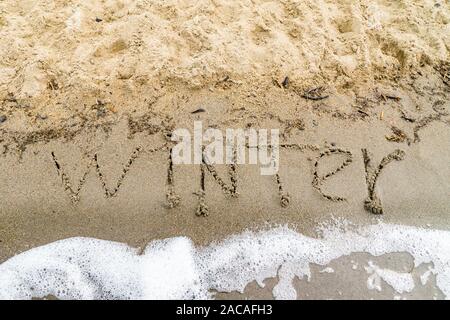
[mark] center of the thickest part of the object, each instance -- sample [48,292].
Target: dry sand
[79,78]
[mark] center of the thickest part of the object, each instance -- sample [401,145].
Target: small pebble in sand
[2,119]
[285,83]
[199,110]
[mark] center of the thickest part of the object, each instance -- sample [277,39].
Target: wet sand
[38,209]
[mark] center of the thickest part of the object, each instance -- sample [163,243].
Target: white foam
[426,275]
[83,268]
[400,282]
[327,270]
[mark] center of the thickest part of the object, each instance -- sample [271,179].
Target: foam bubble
[83,268]
[400,282]
[426,275]
[327,270]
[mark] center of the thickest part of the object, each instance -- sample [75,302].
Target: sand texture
[62,57]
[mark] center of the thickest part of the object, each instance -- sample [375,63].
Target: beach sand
[115,78]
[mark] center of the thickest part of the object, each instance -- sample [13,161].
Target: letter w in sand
[74,193]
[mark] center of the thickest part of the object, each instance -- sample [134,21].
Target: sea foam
[84,268]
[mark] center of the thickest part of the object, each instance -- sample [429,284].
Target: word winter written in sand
[207,168]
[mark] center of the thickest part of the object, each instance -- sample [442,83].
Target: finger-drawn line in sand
[285,198]
[125,170]
[300,147]
[373,202]
[74,194]
[202,208]
[422,123]
[319,180]
[399,136]
[173,200]
[228,190]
